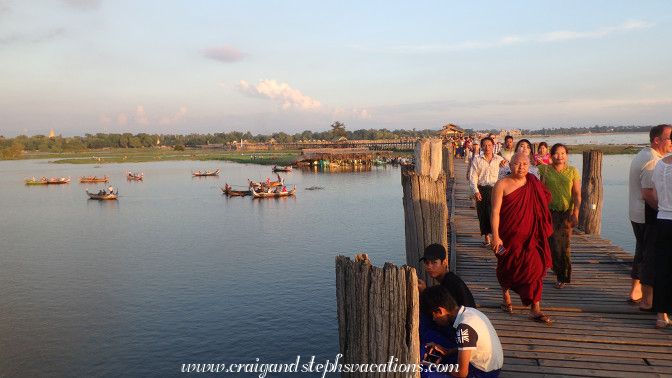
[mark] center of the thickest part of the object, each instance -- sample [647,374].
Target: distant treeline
[13,147]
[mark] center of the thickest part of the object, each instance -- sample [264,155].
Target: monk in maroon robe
[521,225]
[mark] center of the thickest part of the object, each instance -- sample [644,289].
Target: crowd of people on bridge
[528,206]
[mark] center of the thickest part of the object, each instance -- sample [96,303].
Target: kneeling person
[479,352]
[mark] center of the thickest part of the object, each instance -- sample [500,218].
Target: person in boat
[101,192]
[284,189]
[268,180]
[110,189]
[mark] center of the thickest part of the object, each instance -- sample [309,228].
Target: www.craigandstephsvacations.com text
[264,369]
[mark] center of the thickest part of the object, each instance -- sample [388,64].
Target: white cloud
[174,118]
[553,36]
[292,101]
[288,97]
[227,54]
[141,116]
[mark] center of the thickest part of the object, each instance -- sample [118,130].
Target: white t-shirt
[662,182]
[641,172]
[474,332]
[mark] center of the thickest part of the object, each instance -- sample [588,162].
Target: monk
[521,224]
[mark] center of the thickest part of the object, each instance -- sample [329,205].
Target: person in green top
[564,183]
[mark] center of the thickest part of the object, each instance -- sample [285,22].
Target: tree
[338,130]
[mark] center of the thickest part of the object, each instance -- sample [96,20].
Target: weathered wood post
[590,213]
[448,159]
[425,207]
[377,315]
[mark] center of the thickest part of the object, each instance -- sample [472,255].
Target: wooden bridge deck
[596,331]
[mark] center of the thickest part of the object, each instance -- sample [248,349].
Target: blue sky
[206,66]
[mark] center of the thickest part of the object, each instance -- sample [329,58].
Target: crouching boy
[479,352]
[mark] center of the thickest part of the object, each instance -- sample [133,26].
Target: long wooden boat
[206,173]
[56,180]
[134,176]
[42,181]
[268,183]
[105,178]
[235,193]
[261,193]
[279,168]
[102,195]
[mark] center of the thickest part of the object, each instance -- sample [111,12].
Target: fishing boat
[102,195]
[272,193]
[206,173]
[268,183]
[280,168]
[134,176]
[88,179]
[56,180]
[235,193]
[42,181]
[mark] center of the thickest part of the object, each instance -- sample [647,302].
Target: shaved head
[518,155]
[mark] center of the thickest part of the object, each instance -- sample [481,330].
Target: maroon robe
[524,227]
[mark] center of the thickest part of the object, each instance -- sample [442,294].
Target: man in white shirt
[479,351]
[642,212]
[483,174]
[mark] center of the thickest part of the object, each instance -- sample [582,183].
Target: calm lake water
[174,272]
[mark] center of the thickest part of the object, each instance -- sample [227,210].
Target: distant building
[51,134]
[450,130]
[513,132]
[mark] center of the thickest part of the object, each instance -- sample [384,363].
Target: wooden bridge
[596,331]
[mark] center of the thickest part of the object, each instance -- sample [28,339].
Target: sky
[211,66]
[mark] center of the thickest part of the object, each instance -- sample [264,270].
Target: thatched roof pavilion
[450,130]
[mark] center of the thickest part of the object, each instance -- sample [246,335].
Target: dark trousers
[559,243]
[644,264]
[662,291]
[638,230]
[484,209]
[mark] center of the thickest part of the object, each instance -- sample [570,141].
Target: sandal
[559,285]
[542,319]
[663,322]
[634,301]
[507,308]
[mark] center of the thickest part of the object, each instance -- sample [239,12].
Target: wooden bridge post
[425,206]
[377,315]
[590,213]
[448,159]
